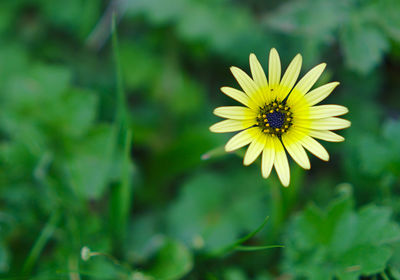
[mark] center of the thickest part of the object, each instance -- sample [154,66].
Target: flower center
[274,118]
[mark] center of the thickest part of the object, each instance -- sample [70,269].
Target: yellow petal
[296,150]
[300,113]
[315,147]
[310,144]
[325,111]
[274,69]
[297,102]
[268,157]
[247,84]
[241,139]
[303,123]
[317,95]
[239,96]
[257,72]
[281,163]
[290,77]
[231,125]
[309,79]
[255,148]
[326,135]
[235,112]
[331,123]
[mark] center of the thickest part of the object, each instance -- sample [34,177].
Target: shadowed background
[101,143]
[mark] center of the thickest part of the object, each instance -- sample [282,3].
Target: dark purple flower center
[274,118]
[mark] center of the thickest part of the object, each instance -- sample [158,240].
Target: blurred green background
[101,143]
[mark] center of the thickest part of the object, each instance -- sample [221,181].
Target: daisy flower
[279,114]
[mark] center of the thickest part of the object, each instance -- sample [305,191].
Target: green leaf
[76,16]
[378,153]
[391,133]
[172,261]
[234,273]
[42,85]
[387,17]
[4,258]
[73,114]
[364,46]
[147,64]
[339,242]
[317,18]
[364,260]
[49,81]
[88,166]
[14,61]
[158,12]
[374,156]
[202,217]
[226,26]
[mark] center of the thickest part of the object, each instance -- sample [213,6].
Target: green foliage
[199,217]
[340,242]
[173,261]
[378,153]
[364,46]
[88,167]
[364,34]
[228,25]
[75,15]
[4,261]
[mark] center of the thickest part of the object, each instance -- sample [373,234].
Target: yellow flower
[280,114]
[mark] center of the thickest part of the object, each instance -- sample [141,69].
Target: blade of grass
[37,248]
[121,194]
[251,234]
[229,248]
[121,100]
[257,248]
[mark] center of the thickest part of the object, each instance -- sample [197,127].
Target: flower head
[279,113]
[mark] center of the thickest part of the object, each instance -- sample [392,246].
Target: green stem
[37,248]
[384,275]
[277,208]
[73,268]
